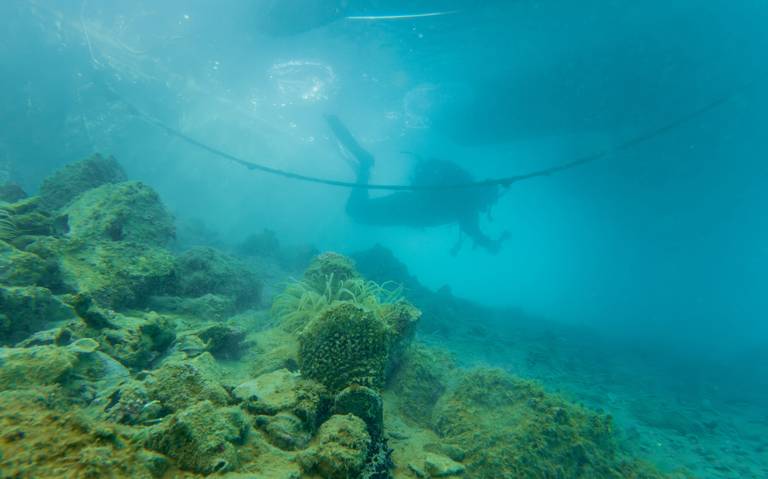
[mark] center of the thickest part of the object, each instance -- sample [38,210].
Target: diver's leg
[348,142]
[358,201]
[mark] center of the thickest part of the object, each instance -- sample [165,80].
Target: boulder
[69,182]
[25,310]
[181,382]
[269,393]
[437,465]
[117,274]
[283,391]
[202,271]
[339,450]
[364,403]
[35,366]
[128,211]
[11,192]
[20,268]
[201,438]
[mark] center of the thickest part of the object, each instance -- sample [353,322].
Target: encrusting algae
[146,362]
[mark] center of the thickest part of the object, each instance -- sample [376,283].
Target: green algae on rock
[8,228]
[128,404]
[117,274]
[75,178]
[202,437]
[43,437]
[181,381]
[340,448]
[422,378]
[364,403]
[208,306]
[203,271]
[512,428]
[128,211]
[11,192]
[35,366]
[288,408]
[29,309]
[137,341]
[21,268]
[269,393]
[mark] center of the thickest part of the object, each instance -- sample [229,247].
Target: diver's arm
[348,141]
[471,227]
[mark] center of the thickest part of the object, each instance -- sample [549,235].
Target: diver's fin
[348,142]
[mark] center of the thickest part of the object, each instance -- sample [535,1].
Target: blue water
[657,253]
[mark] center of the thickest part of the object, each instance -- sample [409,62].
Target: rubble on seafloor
[120,357]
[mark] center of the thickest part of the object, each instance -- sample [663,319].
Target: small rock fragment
[440,466]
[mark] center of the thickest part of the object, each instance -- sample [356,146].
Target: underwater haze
[629,282]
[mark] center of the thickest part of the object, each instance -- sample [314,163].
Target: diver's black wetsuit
[418,208]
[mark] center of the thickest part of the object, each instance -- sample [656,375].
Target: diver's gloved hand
[495,245]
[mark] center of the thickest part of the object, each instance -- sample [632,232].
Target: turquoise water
[633,283]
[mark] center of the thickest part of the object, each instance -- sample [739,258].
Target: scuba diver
[419,208]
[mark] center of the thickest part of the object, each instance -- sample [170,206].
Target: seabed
[127,354]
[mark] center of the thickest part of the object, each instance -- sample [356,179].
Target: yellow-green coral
[345,345]
[351,330]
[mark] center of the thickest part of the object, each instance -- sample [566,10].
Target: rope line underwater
[503,181]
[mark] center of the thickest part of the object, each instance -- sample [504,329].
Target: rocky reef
[146,362]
